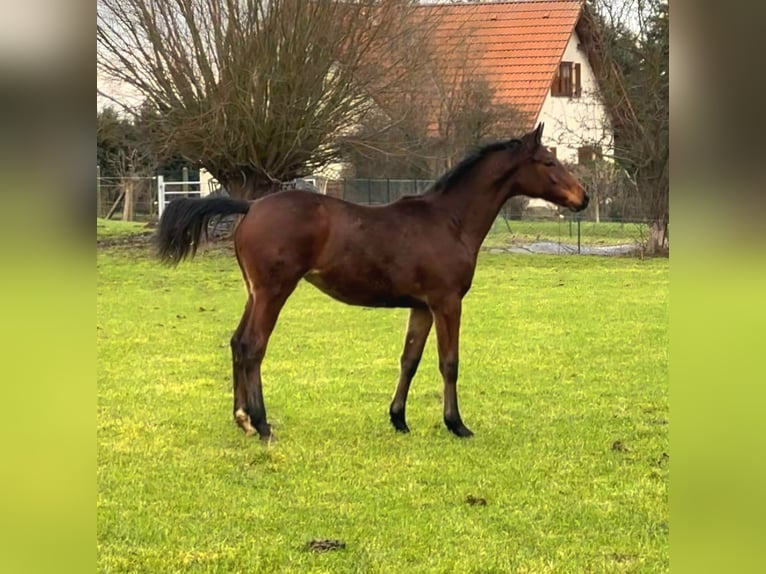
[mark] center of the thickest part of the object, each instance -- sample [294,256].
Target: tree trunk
[246,184]
[128,206]
[652,182]
[657,243]
[239,184]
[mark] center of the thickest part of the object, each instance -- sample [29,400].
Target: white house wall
[571,123]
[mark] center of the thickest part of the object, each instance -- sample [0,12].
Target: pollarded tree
[258,91]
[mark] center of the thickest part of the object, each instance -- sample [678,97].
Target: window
[588,154]
[566,83]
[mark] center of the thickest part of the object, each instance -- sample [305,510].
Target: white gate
[166,190]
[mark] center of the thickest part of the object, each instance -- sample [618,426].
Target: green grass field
[563,379]
[111,228]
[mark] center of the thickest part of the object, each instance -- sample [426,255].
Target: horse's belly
[362,291]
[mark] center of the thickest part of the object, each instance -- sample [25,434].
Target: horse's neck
[474,206]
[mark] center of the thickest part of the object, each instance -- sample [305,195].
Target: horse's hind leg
[417,333]
[268,302]
[238,371]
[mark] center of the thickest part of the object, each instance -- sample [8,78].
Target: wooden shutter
[556,85]
[567,81]
[588,154]
[565,70]
[576,84]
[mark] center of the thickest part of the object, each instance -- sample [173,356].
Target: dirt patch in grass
[619,446]
[132,240]
[324,545]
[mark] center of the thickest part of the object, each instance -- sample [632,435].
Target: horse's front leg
[447,319]
[417,333]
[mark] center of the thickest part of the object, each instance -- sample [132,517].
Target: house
[534,55]
[538,59]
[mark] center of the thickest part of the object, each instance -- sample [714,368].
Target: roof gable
[517,46]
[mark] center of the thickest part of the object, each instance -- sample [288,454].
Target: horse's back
[300,210]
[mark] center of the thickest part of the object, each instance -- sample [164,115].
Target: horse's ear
[539,133]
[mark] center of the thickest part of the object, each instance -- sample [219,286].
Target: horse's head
[541,175]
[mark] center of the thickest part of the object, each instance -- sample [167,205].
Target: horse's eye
[550,163]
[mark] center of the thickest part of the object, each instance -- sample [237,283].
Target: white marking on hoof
[243,420]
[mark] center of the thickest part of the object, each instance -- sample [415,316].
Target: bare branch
[261,87]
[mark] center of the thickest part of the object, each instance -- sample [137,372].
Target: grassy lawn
[110,228]
[563,379]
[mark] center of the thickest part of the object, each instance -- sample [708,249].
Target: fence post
[369,192]
[185,178]
[578,235]
[152,195]
[597,205]
[98,191]
[388,190]
[128,202]
[160,195]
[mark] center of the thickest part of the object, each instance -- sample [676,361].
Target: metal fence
[534,230]
[568,234]
[111,193]
[167,191]
[530,231]
[140,198]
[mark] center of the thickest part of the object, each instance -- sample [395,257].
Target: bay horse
[418,252]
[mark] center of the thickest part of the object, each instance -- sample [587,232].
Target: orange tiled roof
[518,45]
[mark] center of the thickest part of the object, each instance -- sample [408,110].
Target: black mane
[465,165]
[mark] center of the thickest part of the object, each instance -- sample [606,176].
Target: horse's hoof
[403,428]
[243,420]
[458,429]
[397,419]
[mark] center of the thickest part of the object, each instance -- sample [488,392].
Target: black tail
[185,220]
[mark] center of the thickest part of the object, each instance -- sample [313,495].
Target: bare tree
[467,110]
[431,122]
[120,148]
[469,114]
[629,45]
[124,158]
[389,145]
[258,91]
